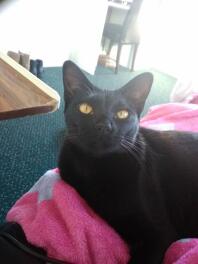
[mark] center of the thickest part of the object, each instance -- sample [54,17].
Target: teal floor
[30,145]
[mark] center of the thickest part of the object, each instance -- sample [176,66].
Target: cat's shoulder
[169,134]
[169,138]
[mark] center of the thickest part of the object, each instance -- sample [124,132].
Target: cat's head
[98,120]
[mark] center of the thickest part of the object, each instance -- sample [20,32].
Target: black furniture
[124,34]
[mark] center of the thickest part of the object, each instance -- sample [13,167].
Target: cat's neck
[125,160]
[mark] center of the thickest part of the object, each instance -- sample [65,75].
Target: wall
[170,37]
[54,30]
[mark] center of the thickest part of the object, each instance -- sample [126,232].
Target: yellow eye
[85,108]
[122,114]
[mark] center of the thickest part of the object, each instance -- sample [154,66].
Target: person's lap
[14,248]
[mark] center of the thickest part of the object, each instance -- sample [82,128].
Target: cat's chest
[107,183]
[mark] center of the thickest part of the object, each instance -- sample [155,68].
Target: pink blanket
[54,217]
[184,251]
[172,116]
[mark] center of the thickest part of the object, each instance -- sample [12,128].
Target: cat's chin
[98,146]
[101,149]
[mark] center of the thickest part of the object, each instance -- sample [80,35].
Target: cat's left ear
[74,81]
[138,89]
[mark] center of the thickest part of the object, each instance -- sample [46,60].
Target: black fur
[143,182]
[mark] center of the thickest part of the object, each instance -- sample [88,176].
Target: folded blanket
[54,217]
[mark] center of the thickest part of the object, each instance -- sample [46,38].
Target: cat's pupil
[85,108]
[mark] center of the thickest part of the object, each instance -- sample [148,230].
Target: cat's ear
[138,89]
[74,81]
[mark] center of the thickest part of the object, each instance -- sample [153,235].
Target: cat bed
[55,218]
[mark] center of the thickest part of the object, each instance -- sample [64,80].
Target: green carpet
[29,146]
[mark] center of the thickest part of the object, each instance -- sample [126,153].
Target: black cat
[143,182]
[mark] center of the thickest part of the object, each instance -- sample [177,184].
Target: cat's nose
[104,127]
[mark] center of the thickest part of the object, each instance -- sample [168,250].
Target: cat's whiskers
[131,151]
[136,142]
[128,145]
[141,142]
[132,145]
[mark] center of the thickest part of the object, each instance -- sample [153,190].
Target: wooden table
[22,93]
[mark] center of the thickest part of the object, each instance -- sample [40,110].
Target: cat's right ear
[74,81]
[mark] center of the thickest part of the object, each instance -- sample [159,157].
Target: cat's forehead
[107,97]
